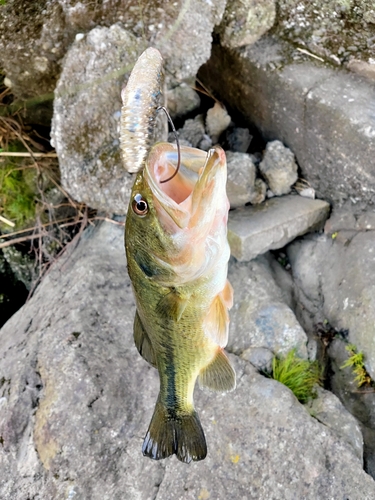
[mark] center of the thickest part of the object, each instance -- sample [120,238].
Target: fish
[177,259]
[141,98]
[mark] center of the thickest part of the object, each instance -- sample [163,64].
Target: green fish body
[177,256]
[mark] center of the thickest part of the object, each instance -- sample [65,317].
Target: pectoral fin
[216,323]
[142,341]
[172,306]
[218,375]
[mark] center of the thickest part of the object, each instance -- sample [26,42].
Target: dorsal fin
[142,341]
[219,374]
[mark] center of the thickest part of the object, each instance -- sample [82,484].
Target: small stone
[241,177]
[217,121]
[182,100]
[258,193]
[255,229]
[193,131]
[260,357]
[279,168]
[239,139]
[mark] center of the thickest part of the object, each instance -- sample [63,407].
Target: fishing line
[177,144]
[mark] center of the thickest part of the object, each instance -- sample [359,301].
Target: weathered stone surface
[36,36]
[76,399]
[241,178]
[334,31]
[181,100]
[337,275]
[244,22]
[279,168]
[260,317]
[256,229]
[328,409]
[326,117]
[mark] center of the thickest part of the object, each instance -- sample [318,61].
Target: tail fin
[170,434]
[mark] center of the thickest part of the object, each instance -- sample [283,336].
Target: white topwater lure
[141,99]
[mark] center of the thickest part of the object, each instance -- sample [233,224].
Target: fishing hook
[177,144]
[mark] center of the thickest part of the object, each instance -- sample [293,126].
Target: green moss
[299,375]
[17,194]
[356,363]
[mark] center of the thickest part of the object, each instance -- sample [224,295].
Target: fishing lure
[141,98]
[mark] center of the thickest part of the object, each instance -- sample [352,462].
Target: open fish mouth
[198,186]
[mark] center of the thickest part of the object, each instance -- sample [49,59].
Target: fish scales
[177,257]
[141,97]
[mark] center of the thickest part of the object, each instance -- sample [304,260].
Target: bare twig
[29,155]
[7,221]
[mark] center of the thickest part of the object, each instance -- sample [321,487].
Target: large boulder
[325,116]
[76,399]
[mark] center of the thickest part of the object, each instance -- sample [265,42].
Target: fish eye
[139,205]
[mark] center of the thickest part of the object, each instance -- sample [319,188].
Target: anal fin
[142,341]
[218,375]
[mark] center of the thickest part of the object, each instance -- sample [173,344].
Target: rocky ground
[75,396]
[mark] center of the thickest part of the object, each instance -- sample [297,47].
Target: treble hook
[177,144]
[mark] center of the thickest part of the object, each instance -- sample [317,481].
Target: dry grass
[37,215]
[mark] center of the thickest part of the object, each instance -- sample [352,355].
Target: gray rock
[85,128]
[260,317]
[181,100]
[279,168]
[328,409]
[73,386]
[244,22]
[193,131]
[337,276]
[256,229]
[325,117]
[241,178]
[239,139]
[258,193]
[260,357]
[217,120]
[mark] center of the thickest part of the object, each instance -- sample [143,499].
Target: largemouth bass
[177,257]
